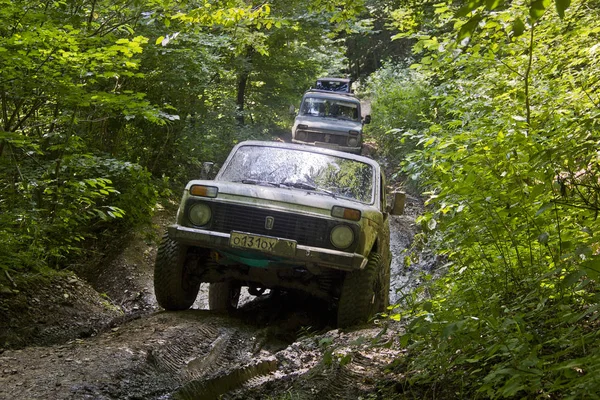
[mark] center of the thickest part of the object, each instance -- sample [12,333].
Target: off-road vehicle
[330,116]
[281,216]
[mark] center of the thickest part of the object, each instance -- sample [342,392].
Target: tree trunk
[242,83]
[241,94]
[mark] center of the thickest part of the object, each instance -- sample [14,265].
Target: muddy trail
[101,335]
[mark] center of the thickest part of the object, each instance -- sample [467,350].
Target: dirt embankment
[103,337]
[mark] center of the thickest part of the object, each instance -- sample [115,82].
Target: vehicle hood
[328,123]
[282,199]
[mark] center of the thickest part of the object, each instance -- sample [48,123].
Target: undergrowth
[510,163]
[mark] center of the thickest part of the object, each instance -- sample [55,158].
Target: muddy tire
[174,287]
[361,294]
[223,296]
[382,288]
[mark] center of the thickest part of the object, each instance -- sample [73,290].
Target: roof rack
[338,85]
[331,92]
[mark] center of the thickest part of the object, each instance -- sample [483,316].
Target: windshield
[297,169]
[321,107]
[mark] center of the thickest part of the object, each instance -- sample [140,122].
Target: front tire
[361,295]
[223,296]
[382,287]
[174,287]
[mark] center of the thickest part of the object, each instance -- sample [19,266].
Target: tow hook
[256,291]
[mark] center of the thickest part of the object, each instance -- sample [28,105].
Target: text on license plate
[262,243]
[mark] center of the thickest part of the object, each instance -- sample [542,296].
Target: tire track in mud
[209,362]
[307,370]
[188,355]
[220,368]
[207,389]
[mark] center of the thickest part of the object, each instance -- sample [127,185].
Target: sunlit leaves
[214,14]
[404,21]
[398,122]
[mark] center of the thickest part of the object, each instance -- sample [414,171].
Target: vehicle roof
[312,149]
[334,79]
[331,94]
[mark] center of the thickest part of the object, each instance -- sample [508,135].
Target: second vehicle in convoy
[330,116]
[281,216]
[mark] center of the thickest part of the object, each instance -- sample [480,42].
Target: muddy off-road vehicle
[330,116]
[281,216]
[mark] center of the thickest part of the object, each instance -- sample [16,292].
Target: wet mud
[279,345]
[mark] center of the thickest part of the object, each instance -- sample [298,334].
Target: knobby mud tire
[223,296]
[174,288]
[382,287]
[358,299]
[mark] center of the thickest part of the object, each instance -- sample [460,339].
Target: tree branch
[527,74]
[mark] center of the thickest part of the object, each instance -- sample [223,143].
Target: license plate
[266,244]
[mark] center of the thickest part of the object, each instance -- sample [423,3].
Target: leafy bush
[400,100]
[511,165]
[48,210]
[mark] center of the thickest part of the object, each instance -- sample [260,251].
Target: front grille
[341,140]
[309,231]
[305,230]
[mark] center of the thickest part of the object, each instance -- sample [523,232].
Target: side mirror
[398,201]
[367,119]
[207,168]
[292,110]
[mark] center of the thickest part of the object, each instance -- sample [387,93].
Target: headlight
[352,142]
[342,236]
[199,214]
[300,135]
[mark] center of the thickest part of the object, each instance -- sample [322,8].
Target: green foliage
[510,160]
[103,103]
[64,68]
[226,74]
[400,100]
[47,218]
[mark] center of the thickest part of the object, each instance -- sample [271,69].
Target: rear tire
[359,299]
[174,287]
[223,296]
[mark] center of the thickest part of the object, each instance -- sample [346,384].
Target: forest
[488,109]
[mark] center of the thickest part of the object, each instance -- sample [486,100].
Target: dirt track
[271,345]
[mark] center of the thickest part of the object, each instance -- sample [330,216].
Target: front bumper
[333,146]
[322,257]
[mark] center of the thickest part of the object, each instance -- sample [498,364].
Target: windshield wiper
[299,185]
[307,186]
[258,182]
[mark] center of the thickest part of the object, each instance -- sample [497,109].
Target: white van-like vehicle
[330,116]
